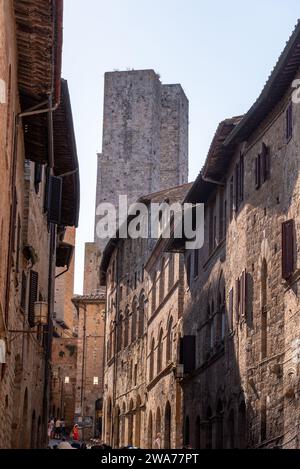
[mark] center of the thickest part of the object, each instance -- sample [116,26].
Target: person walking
[75,432]
[57,429]
[157,441]
[50,428]
[63,427]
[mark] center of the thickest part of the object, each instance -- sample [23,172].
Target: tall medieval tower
[144,146]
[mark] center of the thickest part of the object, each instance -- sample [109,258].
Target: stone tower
[145,137]
[144,146]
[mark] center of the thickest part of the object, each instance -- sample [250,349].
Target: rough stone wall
[132,398]
[174,137]
[90,361]
[63,382]
[235,370]
[145,126]
[91,282]
[64,286]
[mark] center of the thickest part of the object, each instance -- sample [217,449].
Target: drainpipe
[213,181]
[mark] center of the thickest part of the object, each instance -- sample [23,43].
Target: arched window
[151,368]
[153,293]
[208,432]
[138,423]
[33,431]
[231,430]
[197,443]
[242,426]
[120,332]
[141,314]
[187,430]
[171,270]
[167,436]
[162,281]
[150,431]
[264,311]
[134,320]
[108,423]
[126,327]
[158,422]
[219,425]
[159,351]
[169,341]
[130,424]
[117,427]
[123,426]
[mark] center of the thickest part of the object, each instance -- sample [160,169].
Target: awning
[64,253]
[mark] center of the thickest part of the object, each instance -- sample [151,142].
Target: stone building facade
[31,223]
[242,288]
[142,395]
[90,363]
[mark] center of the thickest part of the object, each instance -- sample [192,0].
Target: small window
[289,121]
[96,381]
[288,240]
[67,380]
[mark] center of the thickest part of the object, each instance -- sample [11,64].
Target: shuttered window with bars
[33,295]
[288,240]
[289,122]
[262,166]
[54,199]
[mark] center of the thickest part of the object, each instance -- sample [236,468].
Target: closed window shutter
[33,294]
[23,291]
[241,188]
[289,121]
[244,293]
[265,162]
[54,199]
[258,172]
[231,309]
[237,299]
[37,176]
[287,249]
[237,186]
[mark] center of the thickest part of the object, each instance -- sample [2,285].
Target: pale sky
[221,52]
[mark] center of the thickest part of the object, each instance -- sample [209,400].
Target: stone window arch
[134,320]
[160,351]
[169,341]
[151,367]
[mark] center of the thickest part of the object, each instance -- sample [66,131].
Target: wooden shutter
[54,199]
[243,299]
[241,185]
[258,171]
[287,249]
[237,186]
[265,162]
[230,319]
[188,353]
[237,299]
[37,176]
[33,294]
[23,291]
[289,121]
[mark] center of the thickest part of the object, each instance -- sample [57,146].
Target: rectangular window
[243,287]
[287,249]
[188,269]
[33,294]
[289,121]
[221,216]
[231,198]
[210,235]
[95,381]
[237,186]
[196,263]
[67,380]
[257,172]
[230,309]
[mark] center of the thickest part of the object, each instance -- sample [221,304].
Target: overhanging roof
[39,31]
[65,158]
[276,86]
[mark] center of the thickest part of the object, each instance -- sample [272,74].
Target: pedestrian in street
[157,441]
[57,429]
[63,427]
[75,432]
[50,428]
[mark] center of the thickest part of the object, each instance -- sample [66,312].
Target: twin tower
[144,145]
